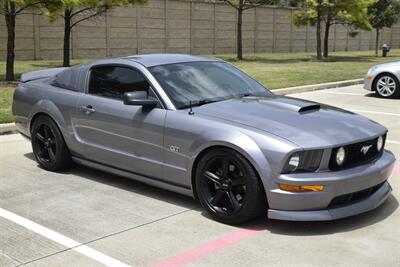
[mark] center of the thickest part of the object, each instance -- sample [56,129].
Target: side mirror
[139,98]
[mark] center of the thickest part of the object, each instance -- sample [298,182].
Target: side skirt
[137,177]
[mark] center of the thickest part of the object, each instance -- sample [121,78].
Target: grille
[352,198]
[355,156]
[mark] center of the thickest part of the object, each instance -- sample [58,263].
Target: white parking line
[393,142]
[61,239]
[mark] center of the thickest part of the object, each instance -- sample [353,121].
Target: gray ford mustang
[201,127]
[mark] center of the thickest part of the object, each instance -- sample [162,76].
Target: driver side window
[114,81]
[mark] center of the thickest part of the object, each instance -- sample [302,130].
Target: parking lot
[85,217]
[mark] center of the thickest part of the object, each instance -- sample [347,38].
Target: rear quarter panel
[33,98]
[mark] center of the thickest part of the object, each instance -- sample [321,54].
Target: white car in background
[384,80]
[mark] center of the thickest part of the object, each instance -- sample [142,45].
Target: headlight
[303,161]
[372,69]
[379,143]
[294,162]
[340,156]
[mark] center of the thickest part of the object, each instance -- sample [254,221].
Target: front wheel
[387,86]
[48,145]
[228,187]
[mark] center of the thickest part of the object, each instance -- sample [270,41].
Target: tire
[228,187]
[386,85]
[48,145]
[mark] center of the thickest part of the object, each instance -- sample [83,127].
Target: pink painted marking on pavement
[201,251]
[221,243]
[396,170]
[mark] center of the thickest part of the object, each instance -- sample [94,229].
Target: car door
[118,135]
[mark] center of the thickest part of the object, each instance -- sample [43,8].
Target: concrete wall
[178,26]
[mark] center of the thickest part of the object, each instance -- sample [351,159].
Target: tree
[240,6]
[352,13]
[311,14]
[330,12]
[384,13]
[10,9]
[74,12]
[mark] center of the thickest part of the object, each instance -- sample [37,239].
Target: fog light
[379,143]
[301,188]
[340,156]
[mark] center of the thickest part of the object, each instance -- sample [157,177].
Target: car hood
[305,123]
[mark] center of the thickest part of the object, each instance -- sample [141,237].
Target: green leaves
[84,9]
[348,12]
[247,4]
[14,7]
[384,13]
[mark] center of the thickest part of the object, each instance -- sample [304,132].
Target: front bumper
[315,206]
[368,81]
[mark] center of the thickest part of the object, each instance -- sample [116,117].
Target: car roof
[150,60]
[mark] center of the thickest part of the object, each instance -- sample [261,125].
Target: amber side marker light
[301,188]
[369,77]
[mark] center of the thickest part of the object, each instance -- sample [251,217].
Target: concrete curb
[7,128]
[10,127]
[314,87]
[8,84]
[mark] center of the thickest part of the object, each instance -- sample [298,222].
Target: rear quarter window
[68,79]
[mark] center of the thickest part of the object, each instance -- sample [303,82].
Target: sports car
[201,127]
[384,80]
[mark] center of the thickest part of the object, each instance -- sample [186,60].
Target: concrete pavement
[138,225]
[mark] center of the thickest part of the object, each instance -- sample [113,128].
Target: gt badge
[174,148]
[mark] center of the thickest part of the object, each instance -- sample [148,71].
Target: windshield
[197,83]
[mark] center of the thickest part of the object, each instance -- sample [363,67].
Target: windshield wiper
[208,101]
[201,102]
[246,95]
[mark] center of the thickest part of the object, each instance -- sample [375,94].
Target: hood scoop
[313,107]
[292,104]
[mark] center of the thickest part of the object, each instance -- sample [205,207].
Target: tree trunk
[377,42]
[239,31]
[10,22]
[67,37]
[326,38]
[319,50]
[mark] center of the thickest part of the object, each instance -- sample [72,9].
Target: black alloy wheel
[48,145]
[228,187]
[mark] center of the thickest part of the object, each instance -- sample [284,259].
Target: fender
[236,141]
[389,71]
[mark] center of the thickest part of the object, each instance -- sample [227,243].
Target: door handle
[87,109]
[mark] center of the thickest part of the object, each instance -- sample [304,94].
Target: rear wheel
[48,145]
[387,86]
[228,187]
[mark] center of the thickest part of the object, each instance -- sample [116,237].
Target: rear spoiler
[35,75]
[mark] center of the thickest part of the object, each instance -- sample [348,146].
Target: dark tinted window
[68,79]
[114,81]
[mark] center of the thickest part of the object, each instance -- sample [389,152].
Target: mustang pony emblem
[365,149]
